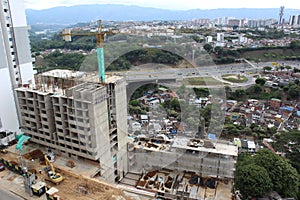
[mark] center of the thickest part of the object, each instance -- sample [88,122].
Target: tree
[134,103]
[218,50]
[296,70]
[284,177]
[253,181]
[257,88]
[267,68]
[246,131]
[288,67]
[208,47]
[240,93]
[260,81]
[294,91]
[289,143]
[294,44]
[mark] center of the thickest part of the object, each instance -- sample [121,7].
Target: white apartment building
[15,59]
[294,21]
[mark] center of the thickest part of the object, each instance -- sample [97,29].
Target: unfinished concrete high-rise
[76,115]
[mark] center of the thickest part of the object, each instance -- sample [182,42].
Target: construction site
[183,168]
[76,145]
[75,182]
[149,177]
[84,120]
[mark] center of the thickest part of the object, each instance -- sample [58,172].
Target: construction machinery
[67,36]
[53,176]
[29,178]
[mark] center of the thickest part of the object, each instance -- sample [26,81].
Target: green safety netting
[101,68]
[21,140]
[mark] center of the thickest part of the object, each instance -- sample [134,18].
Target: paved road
[7,195]
[181,73]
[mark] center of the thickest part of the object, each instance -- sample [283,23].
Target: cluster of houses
[281,78]
[150,123]
[272,113]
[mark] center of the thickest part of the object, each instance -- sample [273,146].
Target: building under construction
[183,167]
[75,114]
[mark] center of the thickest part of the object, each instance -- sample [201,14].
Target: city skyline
[174,5]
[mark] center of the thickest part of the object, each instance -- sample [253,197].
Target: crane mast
[100,51]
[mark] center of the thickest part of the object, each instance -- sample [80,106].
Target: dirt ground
[73,186]
[232,76]
[78,187]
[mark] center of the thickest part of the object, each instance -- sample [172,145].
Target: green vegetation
[253,181]
[295,44]
[271,54]
[201,92]
[56,42]
[290,144]
[267,68]
[235,78]
[257,91]
[172,107]
[135,107]
[264,172]
[257,132]
[139,92]
[260,81]
[57,60]
[203,81]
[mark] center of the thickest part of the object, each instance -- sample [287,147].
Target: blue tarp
[298,113]
[212,136]
[287,108]
[173,131]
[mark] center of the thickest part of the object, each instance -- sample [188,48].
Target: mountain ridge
[85,13]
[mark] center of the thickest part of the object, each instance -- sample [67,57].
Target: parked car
[2,167]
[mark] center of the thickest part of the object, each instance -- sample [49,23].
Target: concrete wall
[204,164]
[121,115]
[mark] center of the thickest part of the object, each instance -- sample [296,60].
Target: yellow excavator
[53,176]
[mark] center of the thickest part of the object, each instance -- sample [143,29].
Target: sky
[170,4]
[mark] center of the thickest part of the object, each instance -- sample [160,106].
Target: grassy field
[270,55]
[203,81]
[234,78]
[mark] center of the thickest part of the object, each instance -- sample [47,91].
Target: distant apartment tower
[201,22]
[15,59]
[256,23]
[79,117]
[222,21]
[234,23]
[294,20]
